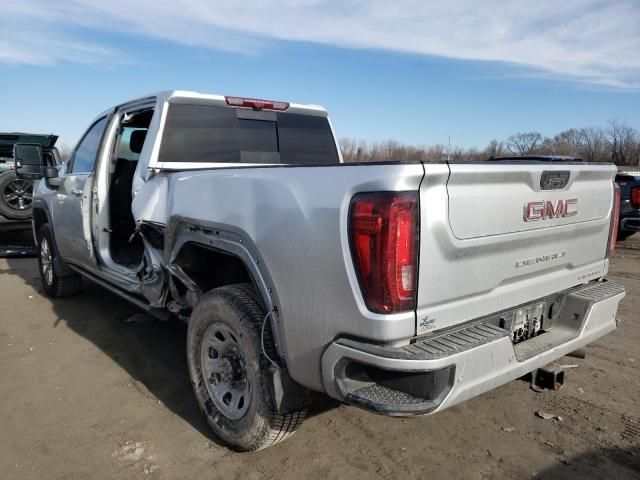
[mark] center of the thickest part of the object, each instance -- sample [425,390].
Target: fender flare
[232,241]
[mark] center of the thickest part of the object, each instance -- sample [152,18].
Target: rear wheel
[228,370]
[16,196]
[54,282]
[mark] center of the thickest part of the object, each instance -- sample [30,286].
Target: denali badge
[540,259]
[546,209]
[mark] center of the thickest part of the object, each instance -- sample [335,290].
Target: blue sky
[398,70]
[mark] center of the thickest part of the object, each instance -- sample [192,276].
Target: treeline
[617,142]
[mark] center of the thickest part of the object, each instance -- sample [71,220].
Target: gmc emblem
[546,209]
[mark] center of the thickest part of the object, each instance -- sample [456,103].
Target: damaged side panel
[149,212]
[151,275]
[202,255]
[189,256]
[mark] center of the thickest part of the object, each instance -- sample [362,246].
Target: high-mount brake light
[615,220]
[256,103]
[635,197]
[383,234]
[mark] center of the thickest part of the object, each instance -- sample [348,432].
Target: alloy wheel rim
[224,370]
[46,261]
[18,194]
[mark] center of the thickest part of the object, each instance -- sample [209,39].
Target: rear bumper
[631,224]
[446,369]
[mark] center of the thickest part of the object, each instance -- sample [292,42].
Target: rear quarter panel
[297,219]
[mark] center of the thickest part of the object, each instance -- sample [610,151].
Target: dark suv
[16,194]
[629,183]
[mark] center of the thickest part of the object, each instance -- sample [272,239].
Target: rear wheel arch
[210,268]
[220,245]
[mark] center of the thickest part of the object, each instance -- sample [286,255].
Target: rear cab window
[212,134]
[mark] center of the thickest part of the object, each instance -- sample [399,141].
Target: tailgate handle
[554,180]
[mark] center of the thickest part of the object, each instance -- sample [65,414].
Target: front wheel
[228,370]
[54,283]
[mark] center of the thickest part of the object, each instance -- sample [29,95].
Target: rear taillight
[383,231]
[635,197]
[615,219]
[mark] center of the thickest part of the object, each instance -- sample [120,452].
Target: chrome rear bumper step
[443,369]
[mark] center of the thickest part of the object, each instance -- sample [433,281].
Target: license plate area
[525,322]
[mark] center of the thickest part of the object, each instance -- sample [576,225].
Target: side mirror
[29,161]
[50,175]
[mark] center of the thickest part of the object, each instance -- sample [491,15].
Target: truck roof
[185,96]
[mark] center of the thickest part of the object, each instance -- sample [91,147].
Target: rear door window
[209,134]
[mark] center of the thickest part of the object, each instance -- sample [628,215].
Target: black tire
[55,283]
[238,310]
[16,196]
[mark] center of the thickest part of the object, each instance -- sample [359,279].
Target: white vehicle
[401,287]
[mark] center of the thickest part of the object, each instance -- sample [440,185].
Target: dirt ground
[88,391]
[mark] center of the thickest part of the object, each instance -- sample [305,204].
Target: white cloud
[595,41]
[47,48]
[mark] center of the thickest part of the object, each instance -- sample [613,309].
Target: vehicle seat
[120,197]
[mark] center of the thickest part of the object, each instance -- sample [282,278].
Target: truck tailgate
[502,234]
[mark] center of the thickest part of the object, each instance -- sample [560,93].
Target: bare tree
[473,155]
[622,141]
[494,149]
[64,151]
[594,145]
[619,143]
[569,142]
[435,153]
[349,149]
[362,152]
[524,143]
[390,150]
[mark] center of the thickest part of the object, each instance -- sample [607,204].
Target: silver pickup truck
[400,287]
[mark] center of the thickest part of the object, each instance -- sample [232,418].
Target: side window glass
[131,142]
[131,136]
[84,158]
